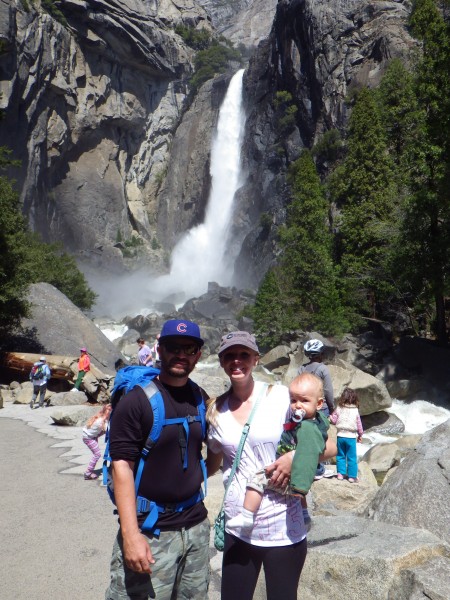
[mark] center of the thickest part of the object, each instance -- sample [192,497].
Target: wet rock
[382,422]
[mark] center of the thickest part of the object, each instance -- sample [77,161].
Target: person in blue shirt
[39,376]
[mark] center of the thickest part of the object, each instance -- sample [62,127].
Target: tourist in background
[95,427]
[39,376]
[84,365]
[313,350]
[349,431]
[277,540]
[144,354]
[155,354]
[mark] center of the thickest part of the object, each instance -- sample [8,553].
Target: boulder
[73,416]
[277,357]
[331,496]
[372,393]
[23,394]
[382,422]
[403,389]
[382,457]
[61,328]
[418,492]
[68,398]
[422,582]
[353,558]
[214,385]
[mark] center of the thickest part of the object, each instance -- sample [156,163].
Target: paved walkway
[57,530]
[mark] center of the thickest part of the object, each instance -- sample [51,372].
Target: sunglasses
[188,349]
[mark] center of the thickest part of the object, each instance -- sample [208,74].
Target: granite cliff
[113,147]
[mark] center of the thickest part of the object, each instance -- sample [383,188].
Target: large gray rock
[62,328]
[417,494]
[242,21]
[331,496]
[382,457]
[71,398]
[372,393]
[73,416]
[351,558]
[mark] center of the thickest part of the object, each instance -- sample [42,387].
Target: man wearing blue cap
[171,560]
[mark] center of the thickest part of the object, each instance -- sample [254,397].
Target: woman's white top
[279,520]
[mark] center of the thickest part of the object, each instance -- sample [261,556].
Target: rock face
[417,494]
[318,51]
[242,21]
[96,109]
[90,109]
[59,327]
[184,194]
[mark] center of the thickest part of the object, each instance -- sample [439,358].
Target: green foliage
[134,242]
[268,312]
[424,239]
[301,291]
[286,111]
[50,264]
[130,246]
[265,220]
[24,260]
[14,266]
[155,244]
[199,39]
[51,7]
[329,147]
[214,59]
[364,186]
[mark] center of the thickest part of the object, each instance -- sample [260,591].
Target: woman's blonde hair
[213,407]
[103,413]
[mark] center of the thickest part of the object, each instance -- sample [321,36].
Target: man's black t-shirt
[163,480]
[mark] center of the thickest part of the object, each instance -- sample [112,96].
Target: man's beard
[179,371]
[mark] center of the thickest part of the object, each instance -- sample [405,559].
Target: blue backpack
[126,379]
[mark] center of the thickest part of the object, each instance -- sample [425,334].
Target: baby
[306,433]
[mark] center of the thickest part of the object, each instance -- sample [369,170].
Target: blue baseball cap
[176,328]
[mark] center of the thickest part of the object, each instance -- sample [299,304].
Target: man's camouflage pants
[181,570]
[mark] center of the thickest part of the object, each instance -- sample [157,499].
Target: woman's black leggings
[242,564]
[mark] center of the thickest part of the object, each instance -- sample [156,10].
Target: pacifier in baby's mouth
[298,415]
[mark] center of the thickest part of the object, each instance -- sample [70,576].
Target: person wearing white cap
[84,365]
[39,376]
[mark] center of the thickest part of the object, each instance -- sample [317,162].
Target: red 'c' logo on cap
[182,327]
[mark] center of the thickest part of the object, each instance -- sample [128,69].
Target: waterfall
[200,256]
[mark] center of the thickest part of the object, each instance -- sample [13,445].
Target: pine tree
[306,261]
[364,187]
[301,291]
[268,312]
[423,248]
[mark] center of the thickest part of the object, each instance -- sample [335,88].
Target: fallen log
[96,383]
